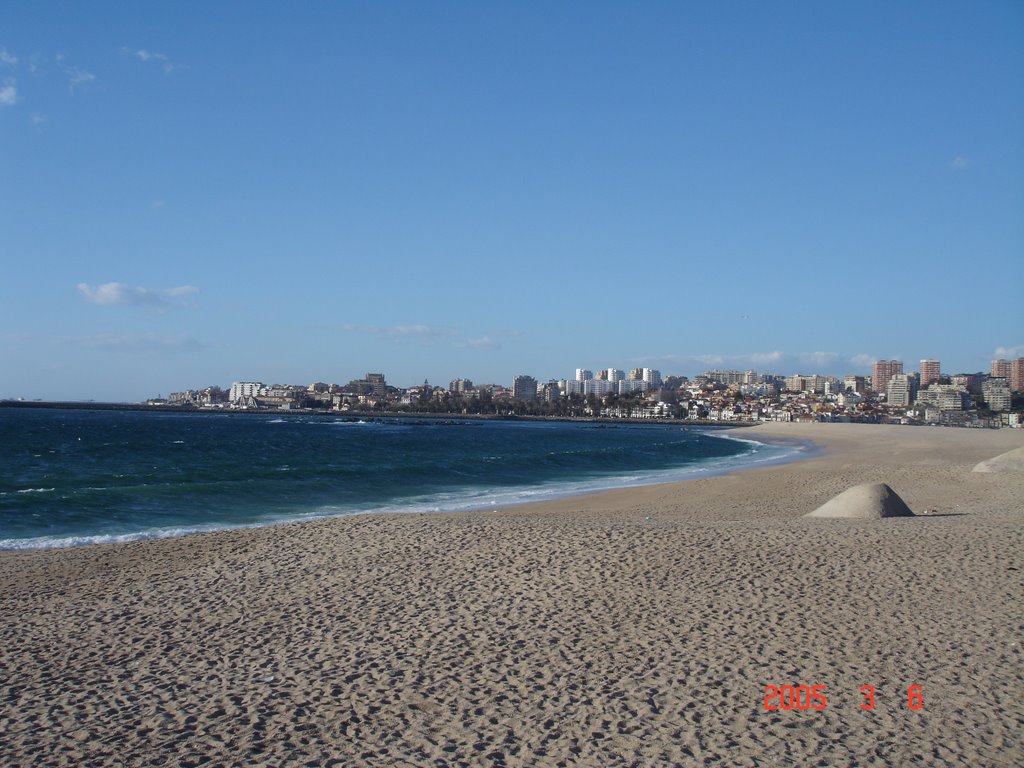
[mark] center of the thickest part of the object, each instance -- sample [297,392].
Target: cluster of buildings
[606,382]
[958,392]
[889,394]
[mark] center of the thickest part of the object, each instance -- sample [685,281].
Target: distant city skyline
[879,371]
[441,191]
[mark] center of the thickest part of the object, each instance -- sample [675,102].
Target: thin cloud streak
[8,92]
[140,342]
[483,343]
[400,332]
[775,361]
[427,334]
[119,294]
[146,342]
[1009,352]
[146,56]
[78,78]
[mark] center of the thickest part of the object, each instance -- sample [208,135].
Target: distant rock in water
[1011,461]
[870,501]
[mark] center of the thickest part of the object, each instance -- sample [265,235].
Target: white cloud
[8,92]
[37,119]
[180,291]
[400,332]
[484,342]
[959,163]
[1008,352]
[863,359]
[417,331]
[79,77]
[144,55]
[121,294]
[8,58]
[428,333]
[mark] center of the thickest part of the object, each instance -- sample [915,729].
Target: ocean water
[70,477]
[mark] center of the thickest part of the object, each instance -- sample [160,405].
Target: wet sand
[636,627]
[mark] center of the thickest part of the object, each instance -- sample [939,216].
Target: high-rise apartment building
[727,377]
[856,383]
[969,381]
[615,380]
[598,387]
[524,388]
[945,397]
[996,391]
[796,383]
[376,381]
[900,390]
[882,371]
[1012,371]
[241,390]
[1017,375]
[929,372]
[549,392]
[1001,369]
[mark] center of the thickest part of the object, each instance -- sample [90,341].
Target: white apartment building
[241,390]
[996,392]
[727,377]
[652,378]
[598,387]
[627,386]
[900,390]
[611,380]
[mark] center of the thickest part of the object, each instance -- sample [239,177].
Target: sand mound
[1011,461]
[867,501]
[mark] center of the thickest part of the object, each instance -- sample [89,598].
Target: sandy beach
[637,627]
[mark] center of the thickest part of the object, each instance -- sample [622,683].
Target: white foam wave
[58,542]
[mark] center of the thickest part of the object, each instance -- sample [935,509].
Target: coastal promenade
[640,626]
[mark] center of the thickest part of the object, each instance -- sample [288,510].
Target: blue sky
[195,194]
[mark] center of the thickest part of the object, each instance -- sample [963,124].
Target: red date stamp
[804,697]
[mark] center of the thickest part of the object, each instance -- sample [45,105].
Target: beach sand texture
[575,632]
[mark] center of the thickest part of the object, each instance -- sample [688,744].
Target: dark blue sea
[70,477]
